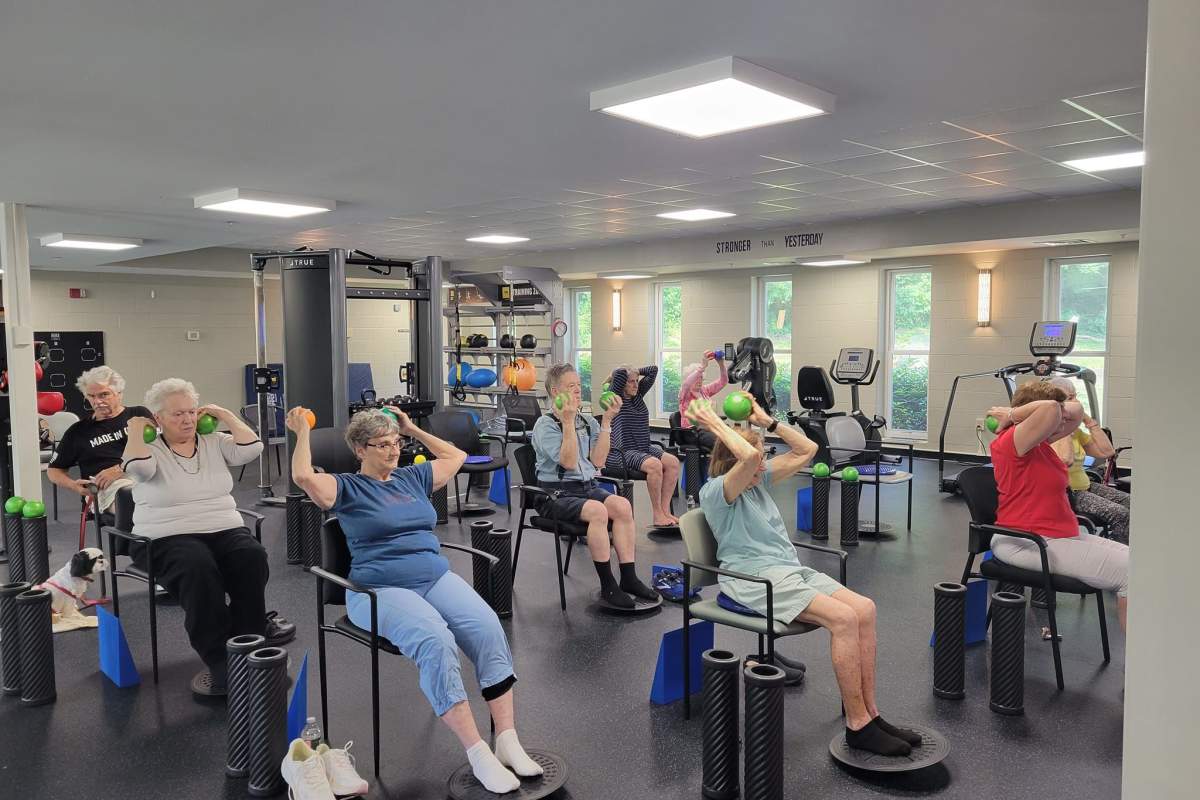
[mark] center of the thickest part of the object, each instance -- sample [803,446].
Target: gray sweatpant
[1098,562]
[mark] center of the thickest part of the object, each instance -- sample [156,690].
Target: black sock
[912,737]
[631,583]
[608,586]
[873,739]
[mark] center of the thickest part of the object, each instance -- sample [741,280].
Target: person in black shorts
[631,445]
[95,444]
[569,464]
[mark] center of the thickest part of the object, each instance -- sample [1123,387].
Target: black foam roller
[35,629]
[949,650]
[763,734]
[310,545]
[720,742]
[267,743]
[820,508]
[693,476]
[440,505]
[10,631]
[496,542]
[37,549]
[295,528]
[850,493]
[1008,654]
[14,546]
[1037,598]
[1014,588]
[237,650]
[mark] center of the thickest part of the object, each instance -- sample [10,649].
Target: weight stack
[1008,654]
[267,735]
[34,629]
[850,493]
[10,644]
[1038,598]
[440,505]
[764,733]
[310,533]
[37,550]
[237,650]
[820,508]
[949,631]
[14,544]
[720,742]
[497,542]
[295,528]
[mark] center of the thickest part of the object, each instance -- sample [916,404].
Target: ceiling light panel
[713,98]
[696,214]
[498,238]
[79,241]
[262,204]
[1105,163]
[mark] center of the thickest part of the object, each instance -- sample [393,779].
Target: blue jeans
[429,623]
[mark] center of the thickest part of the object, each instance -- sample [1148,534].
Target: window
[774,322]
[910,294]
[581,338]
[669,346]
[1078,291]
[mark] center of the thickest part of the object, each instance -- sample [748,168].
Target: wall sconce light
[983,317]
[616,309]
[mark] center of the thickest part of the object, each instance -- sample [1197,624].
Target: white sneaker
[339,768]
[304,772]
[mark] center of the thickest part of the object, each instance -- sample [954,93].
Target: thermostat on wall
[193,336]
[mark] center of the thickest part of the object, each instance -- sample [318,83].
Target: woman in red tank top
[1032,483]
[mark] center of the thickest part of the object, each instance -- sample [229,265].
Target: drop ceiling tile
[919,172]
[951,151]
[793,176]
[1028,173]
[876,193]
[667,196]
[1119,101]
[1121,144]
[820,153]
[933,133]
[565,196]
[667,178]
[1066,184]
[1131,123]
[947,183]
[1022,119]
[609,204]
[988,194]
[992,163]
[836,185]
[609,188]
[764,195]
[722,188]
[1061,134]
[741,165]
[865,165]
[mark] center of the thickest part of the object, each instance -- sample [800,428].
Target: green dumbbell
[13,504]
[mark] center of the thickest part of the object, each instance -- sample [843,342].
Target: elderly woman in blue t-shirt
[425,610]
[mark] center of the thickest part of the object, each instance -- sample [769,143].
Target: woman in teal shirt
[752,538]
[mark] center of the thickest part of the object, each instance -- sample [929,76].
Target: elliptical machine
[854,367]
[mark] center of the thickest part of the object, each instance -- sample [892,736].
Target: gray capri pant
[1100,563]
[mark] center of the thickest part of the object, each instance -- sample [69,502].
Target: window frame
[660,348]
[1052,307]
[890,351]
[573,348]
[758,324]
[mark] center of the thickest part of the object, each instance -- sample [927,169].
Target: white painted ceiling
[431,122]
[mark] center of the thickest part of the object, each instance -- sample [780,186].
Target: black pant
[199,570]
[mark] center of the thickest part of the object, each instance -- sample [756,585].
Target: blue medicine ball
[463,369]
[480,377]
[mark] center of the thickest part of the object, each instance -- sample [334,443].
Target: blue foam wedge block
[977,603]
[115,660]
[804,508]
[668,673]
[298,707]
[498,493]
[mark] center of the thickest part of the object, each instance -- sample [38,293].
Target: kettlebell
[508,342]
[528,341]
[477,340]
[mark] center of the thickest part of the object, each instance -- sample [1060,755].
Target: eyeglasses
[393,445]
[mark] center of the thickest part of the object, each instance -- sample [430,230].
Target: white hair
[102,376]
[156,396]
[1066,384]
[367,425]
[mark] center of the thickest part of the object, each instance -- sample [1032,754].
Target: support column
[1161,704]
[22,386]
[428,326]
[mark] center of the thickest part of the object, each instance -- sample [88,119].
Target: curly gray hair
[367,425]
[103,376]
[156,395]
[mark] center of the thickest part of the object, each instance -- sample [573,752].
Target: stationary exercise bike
[843,438]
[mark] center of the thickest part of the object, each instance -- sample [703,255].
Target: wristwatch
[771,428]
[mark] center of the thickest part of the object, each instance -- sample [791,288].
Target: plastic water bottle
[312,733]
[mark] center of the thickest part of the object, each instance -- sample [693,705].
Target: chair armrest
[536,491]
[128,536]
[347,584]
[727,572]
[1085,522]
[688,566]
[503,440]
[841,554]
[1003,531]
[613,481]
[258,521]
[493,561]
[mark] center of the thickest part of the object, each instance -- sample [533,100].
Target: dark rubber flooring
[583,690]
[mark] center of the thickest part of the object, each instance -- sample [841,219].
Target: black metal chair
[332,585]
[534,498]
[521,412]
[458,428]
[627,476]
[120,538]
[691,453]
[275,438]
[702,557]
[978,486]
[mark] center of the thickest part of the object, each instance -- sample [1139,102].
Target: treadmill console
[1054,338]
[854,363]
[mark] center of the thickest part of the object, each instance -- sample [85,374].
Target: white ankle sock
[513,756]
[489,771]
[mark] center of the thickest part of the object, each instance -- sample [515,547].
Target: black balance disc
[934,748]
[640,606]
[463,785]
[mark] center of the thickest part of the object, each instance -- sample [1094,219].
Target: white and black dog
[68,588]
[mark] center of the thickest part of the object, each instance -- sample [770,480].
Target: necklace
[183,461]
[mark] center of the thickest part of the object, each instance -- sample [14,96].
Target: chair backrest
[978,487]
[330,451]
[335,558]
[846,437]
[526,462]
[701,545]
[59,422]
[456,427]
[123,520]
[249,415]
[523,407]
[814,389]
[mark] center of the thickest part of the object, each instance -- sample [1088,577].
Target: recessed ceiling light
[498,238]
[713,98]
[624,276]
[1062,242]
[833,261]
[696,214]
[1115,161]
[263,204]
[78,241]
